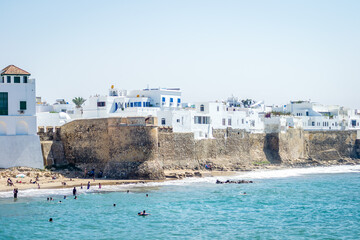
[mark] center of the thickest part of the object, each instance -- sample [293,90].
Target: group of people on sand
[236,182]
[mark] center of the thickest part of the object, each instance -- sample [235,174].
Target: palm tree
[78,101]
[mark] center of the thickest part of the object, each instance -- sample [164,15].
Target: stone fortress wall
[137,148]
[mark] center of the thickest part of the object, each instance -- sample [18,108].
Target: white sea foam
[251,175]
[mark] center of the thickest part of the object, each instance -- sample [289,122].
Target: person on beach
[15,192]
[81,186]
[74,191]
[88,185]
[38,186]
[99,185]
[9,182]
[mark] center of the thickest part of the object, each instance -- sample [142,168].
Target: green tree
[78,101]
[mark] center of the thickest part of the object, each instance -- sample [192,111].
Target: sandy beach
[22,178]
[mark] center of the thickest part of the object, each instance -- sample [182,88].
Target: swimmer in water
[75,197]
[143,213]
[50,220]
[147,195]
[114,205]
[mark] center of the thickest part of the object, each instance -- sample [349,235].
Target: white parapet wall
[21,150]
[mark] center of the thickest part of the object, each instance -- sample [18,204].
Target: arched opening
[22,128]
[3,130]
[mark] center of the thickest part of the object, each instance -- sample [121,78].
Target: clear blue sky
[266,50]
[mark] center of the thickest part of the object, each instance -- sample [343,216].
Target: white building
[124,103]
[19,142]
[317,117]
[166,105]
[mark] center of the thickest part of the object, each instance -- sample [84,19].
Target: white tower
[19,142]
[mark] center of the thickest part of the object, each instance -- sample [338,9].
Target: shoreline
[46,181]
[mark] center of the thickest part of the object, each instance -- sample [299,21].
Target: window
[148,104]
[313,124]
[201,120]
[202,108]
[131,104]
[229,121]
[101,104]
[16,79]
[223,121]
[163,99]
[8,79]
[171,100]
[22,105]
[3,103]
[177,120]
[2,79]
[163,122]
[179,100]
[25,79]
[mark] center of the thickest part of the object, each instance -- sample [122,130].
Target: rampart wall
[136,148]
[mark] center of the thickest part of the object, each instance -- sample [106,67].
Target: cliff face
[230,149]
[124,148]
[327,146]
[118,149]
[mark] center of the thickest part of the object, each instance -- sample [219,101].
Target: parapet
[49,134]
[165,129]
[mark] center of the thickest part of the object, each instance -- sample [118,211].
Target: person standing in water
[74,191]
[15,192]
[88,185]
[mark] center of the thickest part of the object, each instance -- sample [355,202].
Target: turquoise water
[288,204]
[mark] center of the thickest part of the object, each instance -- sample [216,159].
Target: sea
[298,203]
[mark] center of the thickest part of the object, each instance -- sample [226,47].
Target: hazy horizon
[274,51]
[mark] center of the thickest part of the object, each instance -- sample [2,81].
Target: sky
[268,50]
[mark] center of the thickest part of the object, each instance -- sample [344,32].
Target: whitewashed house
[166,104]
[317,117]
[124,103]
[19,142]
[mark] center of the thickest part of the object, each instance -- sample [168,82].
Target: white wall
[20,151]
